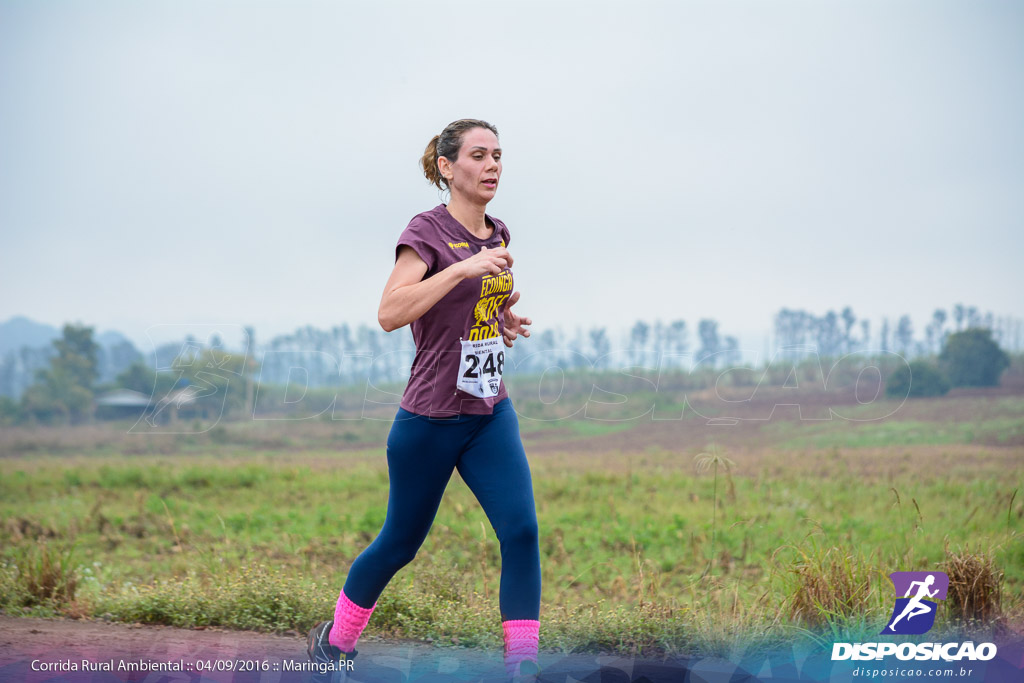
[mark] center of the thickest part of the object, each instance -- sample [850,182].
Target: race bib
[482,364]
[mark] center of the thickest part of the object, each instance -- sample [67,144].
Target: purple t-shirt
[451,337]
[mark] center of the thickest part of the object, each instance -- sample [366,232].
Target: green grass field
[253,525]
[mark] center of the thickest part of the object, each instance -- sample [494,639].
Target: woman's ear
[445,167]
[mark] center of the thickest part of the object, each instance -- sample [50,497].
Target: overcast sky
[253,163]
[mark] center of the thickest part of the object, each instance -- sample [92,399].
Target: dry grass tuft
[975,587]
[831,585]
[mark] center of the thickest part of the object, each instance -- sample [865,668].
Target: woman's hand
[515,325]
[486,262]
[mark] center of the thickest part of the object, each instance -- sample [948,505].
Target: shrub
[973,359]
[916,380]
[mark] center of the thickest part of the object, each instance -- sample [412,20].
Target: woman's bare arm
[407,296]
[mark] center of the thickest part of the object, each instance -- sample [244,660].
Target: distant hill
[26,346]
[20,331]
[111,338]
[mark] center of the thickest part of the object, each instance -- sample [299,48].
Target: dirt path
[38,650]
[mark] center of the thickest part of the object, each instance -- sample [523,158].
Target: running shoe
[330,658]
[527,672]
[529,668]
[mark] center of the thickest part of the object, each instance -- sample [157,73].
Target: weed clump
[253,598]
[40,579]
[12,590]
[640,630]
[47,575]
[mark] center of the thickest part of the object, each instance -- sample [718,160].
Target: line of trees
[834,334]
[67,377]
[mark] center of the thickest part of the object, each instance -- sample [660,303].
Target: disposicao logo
[914,613]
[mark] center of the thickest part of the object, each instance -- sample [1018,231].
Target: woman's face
[474,175]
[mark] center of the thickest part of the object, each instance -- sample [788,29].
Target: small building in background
[180,402]
[122,404]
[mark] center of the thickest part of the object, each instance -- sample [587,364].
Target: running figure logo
[915,614]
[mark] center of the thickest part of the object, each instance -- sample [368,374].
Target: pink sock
[521,640]
[349,621]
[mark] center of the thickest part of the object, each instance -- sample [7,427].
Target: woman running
[452,281]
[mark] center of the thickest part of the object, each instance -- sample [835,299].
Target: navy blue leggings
[488,453]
